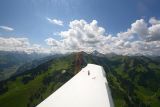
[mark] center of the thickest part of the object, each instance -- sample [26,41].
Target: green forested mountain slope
[30,88]
[134,80]
[11,61]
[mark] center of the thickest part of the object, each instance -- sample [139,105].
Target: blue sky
[28,17]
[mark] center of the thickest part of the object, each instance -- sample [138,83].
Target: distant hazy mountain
[134,80]
[96,53]
[11,61]
[34,63]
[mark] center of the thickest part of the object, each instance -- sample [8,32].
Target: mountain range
[11,61]
[133,80]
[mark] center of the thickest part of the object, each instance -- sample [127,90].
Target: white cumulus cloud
[139,27]
[154,32]
[20,44]
[6,28]
[154,21]
[141,38]
[52,42]
[55,21]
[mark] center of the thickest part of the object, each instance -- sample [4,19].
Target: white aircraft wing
[88,88]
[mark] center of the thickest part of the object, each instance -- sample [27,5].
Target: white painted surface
[88,88]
